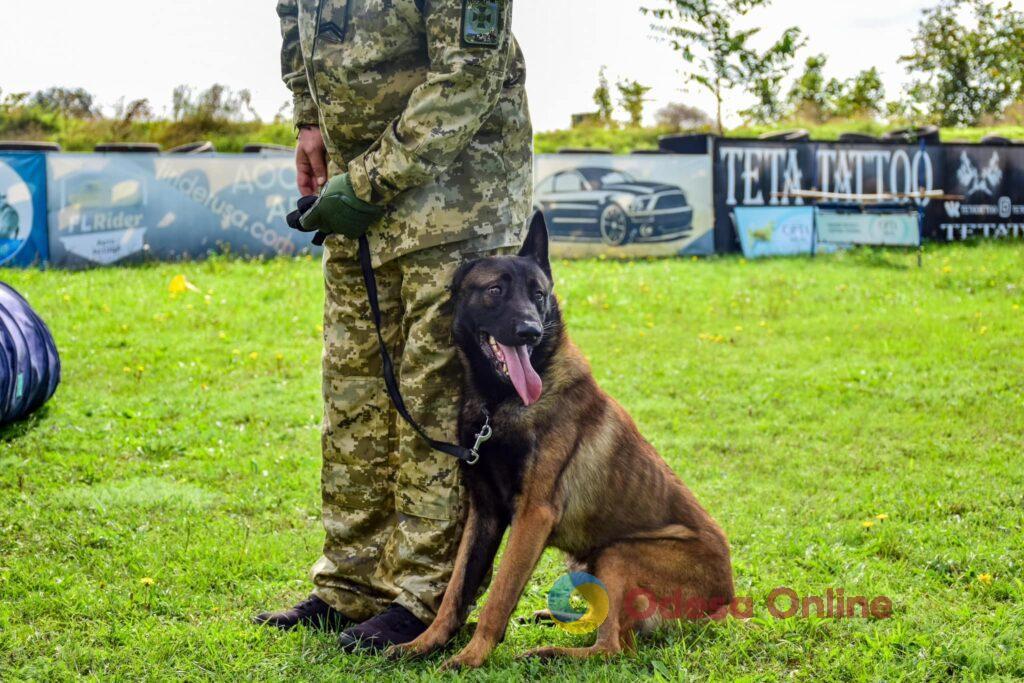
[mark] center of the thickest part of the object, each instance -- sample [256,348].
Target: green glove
[339,211]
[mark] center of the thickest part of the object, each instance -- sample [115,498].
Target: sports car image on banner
[637,205]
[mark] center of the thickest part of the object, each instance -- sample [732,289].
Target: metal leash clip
[482,437]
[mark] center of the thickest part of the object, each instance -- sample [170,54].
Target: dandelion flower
[179,285]
[985,579]
[254,355]
[867,524]
[147,581]
[882,517]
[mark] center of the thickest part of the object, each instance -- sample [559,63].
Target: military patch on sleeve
[482,22]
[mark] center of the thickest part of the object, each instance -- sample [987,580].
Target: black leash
[470,456]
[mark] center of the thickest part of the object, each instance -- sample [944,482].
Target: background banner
[991,179]
[80,210]
[775,231]
[751,173]
[874,228]
[124,208]
[632,205]
[23,240]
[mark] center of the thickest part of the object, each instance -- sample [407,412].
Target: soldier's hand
[338,211]
[310,160]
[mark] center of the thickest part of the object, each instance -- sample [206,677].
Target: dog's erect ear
[536,245]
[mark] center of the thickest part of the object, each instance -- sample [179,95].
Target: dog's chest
[585,499]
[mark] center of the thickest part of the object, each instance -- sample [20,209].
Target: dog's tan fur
[596,489]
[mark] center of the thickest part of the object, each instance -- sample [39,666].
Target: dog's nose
[529,332]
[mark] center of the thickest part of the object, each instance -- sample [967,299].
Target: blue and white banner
[23,240]
[881,229]
[775,231]
[126,208]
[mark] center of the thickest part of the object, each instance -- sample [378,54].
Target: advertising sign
[23,240]
[991,180]
[635,205]
[775,231]
[761,173]
[123,208]
[878,229]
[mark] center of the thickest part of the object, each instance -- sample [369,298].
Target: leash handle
[468,455]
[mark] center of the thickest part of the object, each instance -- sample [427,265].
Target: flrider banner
[109,209]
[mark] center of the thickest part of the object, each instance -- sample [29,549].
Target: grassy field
[852,422]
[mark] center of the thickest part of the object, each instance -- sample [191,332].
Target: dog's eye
[494,291]
[539,296]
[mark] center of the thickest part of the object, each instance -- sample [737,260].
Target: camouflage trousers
[392,507]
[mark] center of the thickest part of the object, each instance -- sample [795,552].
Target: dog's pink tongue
[524,378]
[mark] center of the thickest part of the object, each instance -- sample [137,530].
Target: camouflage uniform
[423,103]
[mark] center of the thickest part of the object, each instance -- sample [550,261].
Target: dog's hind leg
[612,568]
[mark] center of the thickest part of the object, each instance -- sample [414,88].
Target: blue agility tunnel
[29,365]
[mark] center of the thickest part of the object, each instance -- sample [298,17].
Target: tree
[968,59]
[814,98]
[811,95]
[767,107]
[631,97]
[721,57]
[678,116]
[603,98]
[75,103]
[863,95]
[216,103]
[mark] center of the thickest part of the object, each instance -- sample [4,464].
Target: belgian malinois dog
[565,467]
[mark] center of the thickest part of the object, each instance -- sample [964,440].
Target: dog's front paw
[410,650]
[464,660]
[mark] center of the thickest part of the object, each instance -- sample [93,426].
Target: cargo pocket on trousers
[357,470]
[429,487]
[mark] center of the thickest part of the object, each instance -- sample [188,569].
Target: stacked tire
[29,364]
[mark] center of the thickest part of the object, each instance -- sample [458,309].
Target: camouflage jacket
[423,102]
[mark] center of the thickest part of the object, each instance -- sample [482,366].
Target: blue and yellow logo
[578,602]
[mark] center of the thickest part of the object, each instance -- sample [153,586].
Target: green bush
[30,122]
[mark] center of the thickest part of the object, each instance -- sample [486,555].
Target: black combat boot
[394,626]
[311,613]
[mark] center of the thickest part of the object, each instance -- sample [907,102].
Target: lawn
[853,422]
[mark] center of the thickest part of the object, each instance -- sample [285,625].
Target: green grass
[797,398]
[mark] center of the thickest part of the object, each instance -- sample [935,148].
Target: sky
[144,48]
